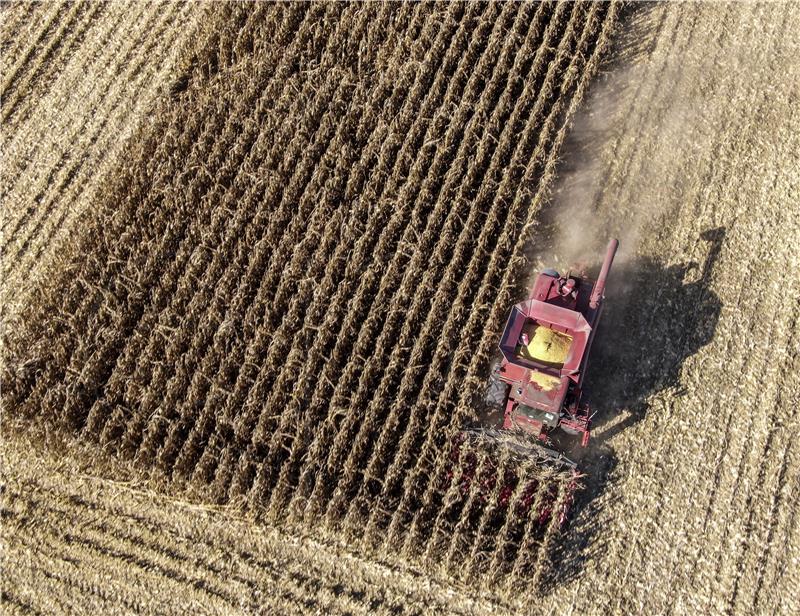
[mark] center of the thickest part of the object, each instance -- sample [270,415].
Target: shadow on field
[655,318]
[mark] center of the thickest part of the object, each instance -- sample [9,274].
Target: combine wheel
[570,431]
[496,391]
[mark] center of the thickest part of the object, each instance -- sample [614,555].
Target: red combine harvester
[545,348]
[537,385]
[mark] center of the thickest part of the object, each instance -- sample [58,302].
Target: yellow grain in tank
[545,381]
[548,346]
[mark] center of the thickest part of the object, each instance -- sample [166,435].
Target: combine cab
[545,348]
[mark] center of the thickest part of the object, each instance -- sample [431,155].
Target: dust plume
[574,233]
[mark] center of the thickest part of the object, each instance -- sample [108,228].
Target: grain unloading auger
[537,384]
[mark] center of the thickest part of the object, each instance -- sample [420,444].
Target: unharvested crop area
[292,294]
[287,295]
[78,78]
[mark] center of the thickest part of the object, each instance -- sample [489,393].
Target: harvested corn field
[285,296]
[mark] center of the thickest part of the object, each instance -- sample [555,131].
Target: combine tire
[496,392]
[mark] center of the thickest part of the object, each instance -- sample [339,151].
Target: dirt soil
[208,341]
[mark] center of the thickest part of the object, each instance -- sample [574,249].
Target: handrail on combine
[600,285]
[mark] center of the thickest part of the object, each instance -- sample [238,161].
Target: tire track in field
[714,157]
[68,34]
[23,44]
[72,77]
[639,155]
[679,552]
[661,315]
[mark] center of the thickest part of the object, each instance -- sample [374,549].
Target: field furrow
[23,28]
[46,63]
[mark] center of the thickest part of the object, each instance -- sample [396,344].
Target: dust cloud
[576,225]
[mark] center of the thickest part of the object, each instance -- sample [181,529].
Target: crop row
[293,290]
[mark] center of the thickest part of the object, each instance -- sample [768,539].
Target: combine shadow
[655,318]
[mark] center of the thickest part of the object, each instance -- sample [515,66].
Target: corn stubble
[80,544]
[295,282]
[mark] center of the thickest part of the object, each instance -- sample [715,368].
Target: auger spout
[600,286]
